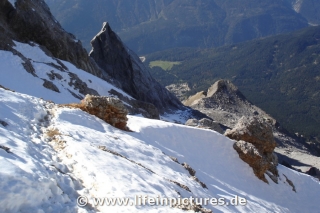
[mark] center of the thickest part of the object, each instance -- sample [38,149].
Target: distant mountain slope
[308,9]
[279,74]
[149,26]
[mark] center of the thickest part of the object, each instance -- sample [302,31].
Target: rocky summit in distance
[224,103]
[124,66]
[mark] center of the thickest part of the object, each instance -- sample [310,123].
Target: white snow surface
[39,177]
[57,154]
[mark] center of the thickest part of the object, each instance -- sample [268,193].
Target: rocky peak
[224,86]
[125,67]
[31,21]
[224,103]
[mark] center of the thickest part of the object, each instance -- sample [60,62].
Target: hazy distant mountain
[149,26]
[310,9]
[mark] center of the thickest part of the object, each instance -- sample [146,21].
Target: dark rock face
[3,123]
[7,149]
[191,171]
[314,172]
[255,145]
[31,20]
[51,86]
[138,107]
[124,66]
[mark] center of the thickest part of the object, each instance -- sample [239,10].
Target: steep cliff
[125,66]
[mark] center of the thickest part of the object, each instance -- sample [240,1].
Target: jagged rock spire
[124,66]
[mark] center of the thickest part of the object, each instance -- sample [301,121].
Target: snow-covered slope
[67,81]
[60,153]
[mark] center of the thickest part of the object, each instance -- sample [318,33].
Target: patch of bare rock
[109,109]
[255,145]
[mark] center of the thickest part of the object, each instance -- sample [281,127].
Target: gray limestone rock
[125,67]
[224,103]
[205,123]
[192,122]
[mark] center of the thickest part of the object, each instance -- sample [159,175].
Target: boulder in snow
[109,109]
[255,145]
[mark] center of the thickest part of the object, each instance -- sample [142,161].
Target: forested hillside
[280,74]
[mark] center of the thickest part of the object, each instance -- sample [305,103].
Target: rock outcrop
[109,109]
[225,104]
[179,90]
[205,123]
[314,172]
[125,67]
[138,107]
[255,145]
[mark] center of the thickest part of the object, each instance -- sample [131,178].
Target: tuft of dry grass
[107,112]
[53,132]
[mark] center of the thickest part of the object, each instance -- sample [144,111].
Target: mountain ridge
[152,26]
